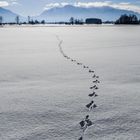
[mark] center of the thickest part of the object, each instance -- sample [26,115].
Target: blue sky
[35,7]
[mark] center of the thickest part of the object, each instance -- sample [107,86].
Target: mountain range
[64,13]
[8,16]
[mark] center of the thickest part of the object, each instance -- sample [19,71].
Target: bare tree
[17,19]
[43,22]
[72,20]
[29,19]
[1,20]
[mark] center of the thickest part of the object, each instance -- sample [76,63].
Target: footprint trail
[86,122]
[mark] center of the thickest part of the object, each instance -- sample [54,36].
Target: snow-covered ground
[43,95]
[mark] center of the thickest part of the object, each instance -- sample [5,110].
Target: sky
[35,7]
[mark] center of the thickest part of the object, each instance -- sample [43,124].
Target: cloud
[127,6]
[4,3]
[54,5]
[92,4]
[10,3]
[121,5]
[14,2]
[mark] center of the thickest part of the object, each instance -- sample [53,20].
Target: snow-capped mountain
[64,13]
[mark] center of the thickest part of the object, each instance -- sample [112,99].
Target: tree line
[128,19]
[19,22]
[123,19]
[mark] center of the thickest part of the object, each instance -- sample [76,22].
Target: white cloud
[3,3]
[54,5]
[92,4]
[122,5]
[14,2]
[127,6]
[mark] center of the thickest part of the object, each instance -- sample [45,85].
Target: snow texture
[43,96]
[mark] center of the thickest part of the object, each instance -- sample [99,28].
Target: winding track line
[86,122]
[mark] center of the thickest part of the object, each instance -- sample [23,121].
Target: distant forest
[128,19]
[124,19]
